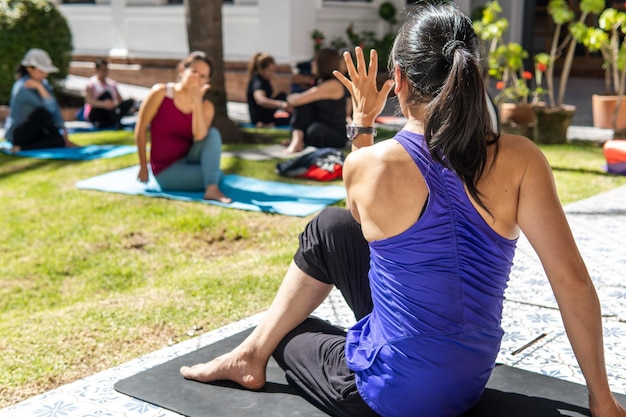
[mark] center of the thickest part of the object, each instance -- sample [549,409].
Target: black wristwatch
[352,131]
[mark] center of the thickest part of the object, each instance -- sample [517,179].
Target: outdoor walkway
[599,226]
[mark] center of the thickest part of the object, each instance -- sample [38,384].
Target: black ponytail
[437,52]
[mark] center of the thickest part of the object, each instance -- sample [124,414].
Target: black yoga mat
[510,392]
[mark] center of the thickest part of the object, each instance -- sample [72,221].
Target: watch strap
[353,131]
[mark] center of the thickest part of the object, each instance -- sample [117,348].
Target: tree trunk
[204,33]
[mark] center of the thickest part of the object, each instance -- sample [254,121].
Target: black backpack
[324,164]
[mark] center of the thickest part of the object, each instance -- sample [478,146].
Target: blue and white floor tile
[534,339]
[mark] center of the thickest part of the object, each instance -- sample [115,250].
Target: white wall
[148,29]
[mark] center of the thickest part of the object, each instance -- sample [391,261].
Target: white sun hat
[39,59]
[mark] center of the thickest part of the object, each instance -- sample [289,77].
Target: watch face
[351,131]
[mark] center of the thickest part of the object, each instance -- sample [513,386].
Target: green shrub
[26,24]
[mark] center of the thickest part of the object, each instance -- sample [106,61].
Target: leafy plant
[608,39]
[506,64]
[26,24]
[318,39]
[365,39]
[562,15]
[490,28]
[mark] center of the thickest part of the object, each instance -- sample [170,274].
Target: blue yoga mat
[249,125]
[88,127]
[83,153]
[80,125]
[247,193]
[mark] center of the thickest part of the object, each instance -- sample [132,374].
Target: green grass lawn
[91,280]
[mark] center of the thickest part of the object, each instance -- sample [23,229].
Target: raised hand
[197,87]
[367,101]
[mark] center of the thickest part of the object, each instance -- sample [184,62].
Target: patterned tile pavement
[530,315]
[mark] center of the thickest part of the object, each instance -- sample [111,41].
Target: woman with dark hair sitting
[104,106]
[319,117]
[185,149]
[262,103]
[424,250]
[35,121]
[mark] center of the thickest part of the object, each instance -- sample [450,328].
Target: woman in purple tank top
[424,250]
[185,150]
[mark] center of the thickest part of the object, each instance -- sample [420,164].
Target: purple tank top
[431,341]
[171,136]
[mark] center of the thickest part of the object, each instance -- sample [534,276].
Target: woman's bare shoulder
[159,87]
[380,157]
[379,151]
[157,92]
[517,148]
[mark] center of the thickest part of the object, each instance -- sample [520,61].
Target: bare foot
[238,366]
[16,149]
[297,142]
[294,149]
[214,193]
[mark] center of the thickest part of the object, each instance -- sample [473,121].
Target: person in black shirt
[260,95]
[319,117]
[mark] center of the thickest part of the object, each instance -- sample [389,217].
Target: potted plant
[490,28]
[514,100]
[554,117]
[608,39]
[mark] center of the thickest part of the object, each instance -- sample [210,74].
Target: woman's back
[437,289]
[390,174]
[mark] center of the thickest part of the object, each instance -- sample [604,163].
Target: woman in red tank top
[185,150]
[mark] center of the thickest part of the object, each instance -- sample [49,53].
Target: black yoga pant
[108,118]
[317,134]
[332,250]
[38,132]
[265,115]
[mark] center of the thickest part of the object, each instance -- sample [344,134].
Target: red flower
[500,85]
[527,75]
[541,67]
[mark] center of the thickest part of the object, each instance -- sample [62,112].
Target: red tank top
[171,135]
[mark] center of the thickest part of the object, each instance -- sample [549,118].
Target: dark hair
[437,52]
[259,62]
[327,60]
[196,56]
[100,62]
[21,71]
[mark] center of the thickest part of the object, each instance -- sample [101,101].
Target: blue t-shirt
[24,101]
[431,341]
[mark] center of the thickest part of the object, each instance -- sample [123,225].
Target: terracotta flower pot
[517,119]
[602,107]
[518,113]
[552,123]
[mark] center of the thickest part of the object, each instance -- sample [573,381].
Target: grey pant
[199,169]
